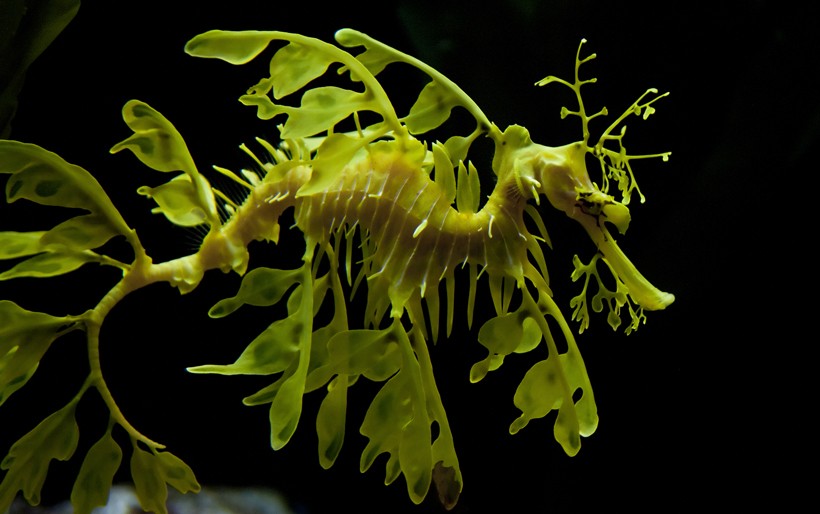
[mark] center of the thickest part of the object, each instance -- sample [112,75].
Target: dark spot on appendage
[140,110]
[444,478]
[176,472]
[14,188]
[47,267]
[288,429]
[145,145]
[46,188]
[333,449]
[17,380]
[13,249]
[420,487]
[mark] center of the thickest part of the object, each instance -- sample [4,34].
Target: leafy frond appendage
[28,459]
[614,300]
[615,163]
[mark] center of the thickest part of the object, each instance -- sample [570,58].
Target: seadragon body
[411,212]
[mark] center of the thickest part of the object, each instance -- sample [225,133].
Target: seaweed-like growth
[411,208]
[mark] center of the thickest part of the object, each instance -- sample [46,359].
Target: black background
[686,416]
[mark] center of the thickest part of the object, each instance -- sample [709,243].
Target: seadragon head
[561,174]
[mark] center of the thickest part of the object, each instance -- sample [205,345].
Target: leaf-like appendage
[286,406]
[44,177]
[320,373]
[321,109]
[177,200]
[398,422]
[96,475]
[335,152]
[372,353]
[585,409]
[25,336]
[458,146]
[503,335]
[284,346]
[155,141]
[265,108]
[615,300]
[47,265]
[61,250]
[275,349]
[20,380]
[436,100]
[20,244]
[176,473]
[294,66]
[416,455]
[158,144]
[234,47]
[549,385]
[27,461]
[539,392]
[80,233]
[397,425]
[271,352]
[615,164]
[330,421]
[468,189]
[153,472]
[151,489]
[261,287]
[444,173]
[375,58]
[432,108]
[264,395]
[388,414]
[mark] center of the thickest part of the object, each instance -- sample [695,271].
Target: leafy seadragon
[387,213]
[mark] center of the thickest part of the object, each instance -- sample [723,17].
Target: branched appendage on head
[561,175]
